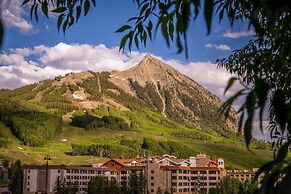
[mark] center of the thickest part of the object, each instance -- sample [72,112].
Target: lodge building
[166,174]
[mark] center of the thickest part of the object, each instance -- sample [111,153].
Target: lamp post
[47,158]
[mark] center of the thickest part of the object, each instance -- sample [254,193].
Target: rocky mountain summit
[150,84]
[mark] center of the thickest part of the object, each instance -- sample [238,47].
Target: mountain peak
[149,61]
[149,70]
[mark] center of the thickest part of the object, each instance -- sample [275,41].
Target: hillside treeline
[88,122]
[29,125]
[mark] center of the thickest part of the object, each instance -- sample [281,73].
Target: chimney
[193,162]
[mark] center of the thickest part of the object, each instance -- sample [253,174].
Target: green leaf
[208,11]
[65,25]
[31,10]
[265,168]
[59,10]
[230,82]
[25,2]
[123,28]
[94,3]
[86,7]
[44,8]
[262,90]
[165,31]
[136,41]
[241,120]
[149,28]
[130,39]
[123,41]
[282,153]
[285,186]
[280,108]
[143,8]
[72,20]
[144,38]
[250,106]
[35,12]
[78,12]
[229,102]
[60,21]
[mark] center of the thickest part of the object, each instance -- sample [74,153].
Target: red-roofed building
[166,174]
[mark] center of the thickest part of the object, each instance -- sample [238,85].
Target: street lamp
[47,158]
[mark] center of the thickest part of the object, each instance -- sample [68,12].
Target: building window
[212,172]
[59,171]
[28,171]
[152,190]
[202,172]
[112,173]
[174,178]
[27,189]
[152,171]
[28,183]
[68,171]
[152,184]
[28,177]
[212,178]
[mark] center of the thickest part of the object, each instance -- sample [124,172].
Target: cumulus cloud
[12,15]
[236,35]
[222,47]
[23,66]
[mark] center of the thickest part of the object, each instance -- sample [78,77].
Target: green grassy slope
[149,125]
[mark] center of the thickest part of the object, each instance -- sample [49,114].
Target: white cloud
[236,35]
[223,47]
[23,66]
[12,15]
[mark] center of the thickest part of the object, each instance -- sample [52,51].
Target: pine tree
[16,177]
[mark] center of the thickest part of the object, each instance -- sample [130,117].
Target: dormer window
[134,163]
[166,162]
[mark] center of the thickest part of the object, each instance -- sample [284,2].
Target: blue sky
[99,25]
[35,51]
